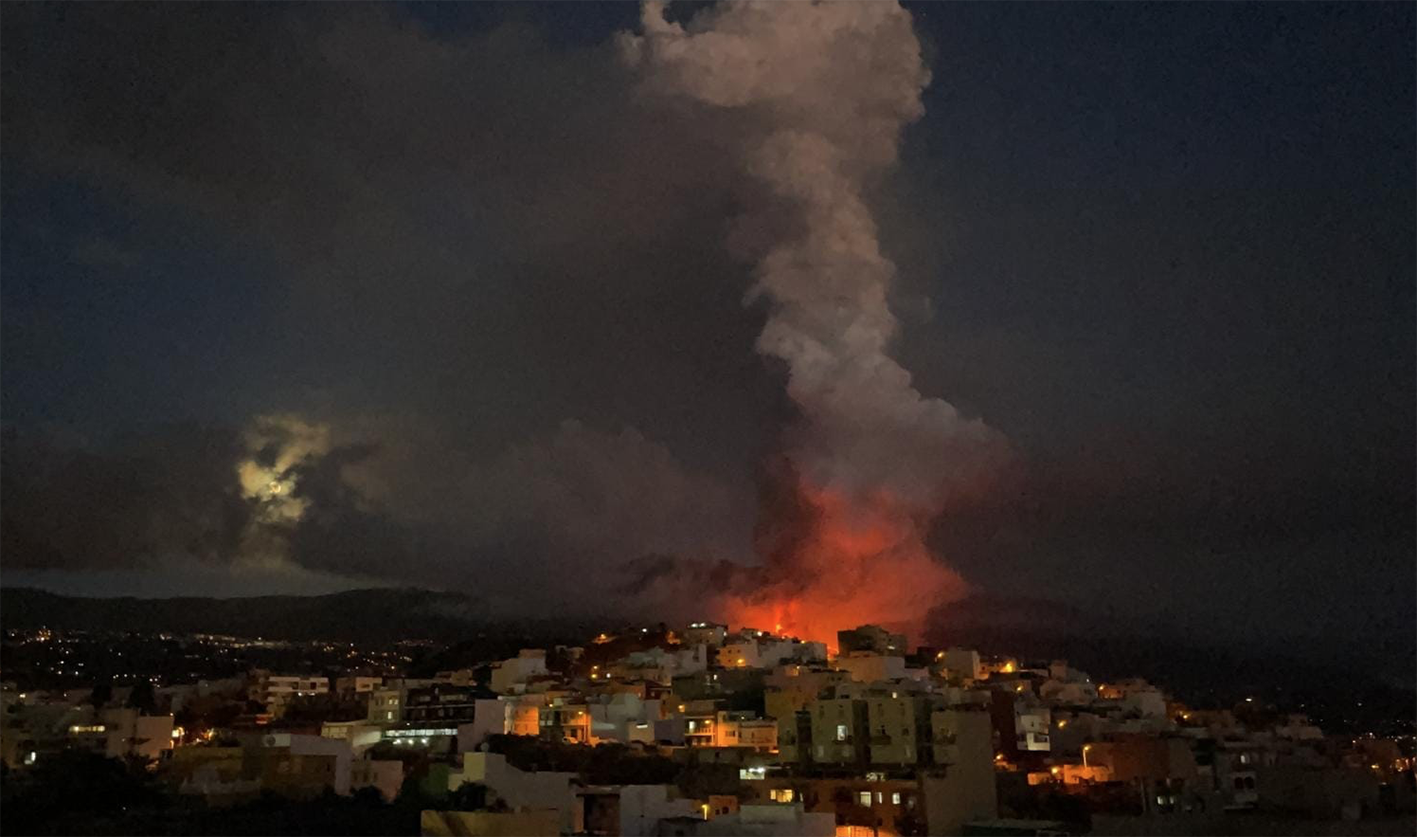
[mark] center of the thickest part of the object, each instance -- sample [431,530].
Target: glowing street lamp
[1085,748]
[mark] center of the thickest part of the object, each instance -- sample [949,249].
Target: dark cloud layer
[496,214]
[496,277]
[172,491]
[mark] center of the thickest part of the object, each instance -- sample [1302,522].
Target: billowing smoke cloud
[818,95]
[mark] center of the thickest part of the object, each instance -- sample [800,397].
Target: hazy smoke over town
[818,94]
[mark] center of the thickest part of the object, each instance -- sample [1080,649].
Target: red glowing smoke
[832,563]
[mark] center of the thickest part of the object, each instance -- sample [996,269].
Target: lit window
[865,797]
[880,797]
[895,798]
[841,732]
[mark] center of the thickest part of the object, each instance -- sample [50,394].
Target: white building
[641,807]
[124,732]
[522,790]
[361,735]
[657,664]
[275,691]
[386,706]
[357,684]
[729,729]
[510,676]
[963,663]
[711,634]
[623,717]
[768,820]
[1033,721]
[1068,693]
[758,649]
[868,668]
[519,715]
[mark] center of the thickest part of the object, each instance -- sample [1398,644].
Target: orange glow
[850,564]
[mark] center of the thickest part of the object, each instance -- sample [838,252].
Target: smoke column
[812,99]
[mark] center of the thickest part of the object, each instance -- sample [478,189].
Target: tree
[64,792]
[143,698]
[469,797]
[910,824]
[102,693]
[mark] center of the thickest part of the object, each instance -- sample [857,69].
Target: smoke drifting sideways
[815,97]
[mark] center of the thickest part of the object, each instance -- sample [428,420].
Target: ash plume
[814,97]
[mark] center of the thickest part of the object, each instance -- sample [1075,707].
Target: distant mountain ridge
[378,615]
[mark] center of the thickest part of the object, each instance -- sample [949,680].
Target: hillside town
[697,730]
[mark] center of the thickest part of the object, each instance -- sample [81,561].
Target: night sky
[446,255]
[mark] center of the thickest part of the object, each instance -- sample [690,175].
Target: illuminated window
[781,795]
[880,797]
[865,797]
[841,732]
[895,798]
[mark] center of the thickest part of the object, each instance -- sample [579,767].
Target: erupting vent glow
[854,564]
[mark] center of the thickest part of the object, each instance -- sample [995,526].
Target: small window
[841,732]
[865,797]
[895,798]
[880,797]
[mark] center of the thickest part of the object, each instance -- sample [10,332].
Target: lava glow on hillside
[836,564]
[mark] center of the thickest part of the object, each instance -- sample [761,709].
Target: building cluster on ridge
[871,739]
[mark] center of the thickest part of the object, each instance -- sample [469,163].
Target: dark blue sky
[1167,249]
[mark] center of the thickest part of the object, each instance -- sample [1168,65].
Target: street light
[1085,748]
